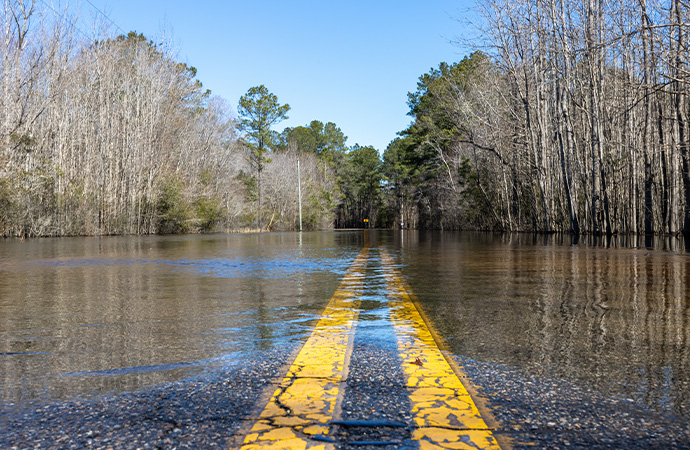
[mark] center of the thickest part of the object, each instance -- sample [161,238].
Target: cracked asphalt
[214,410]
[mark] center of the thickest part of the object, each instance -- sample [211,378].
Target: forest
[568,117]
[573,117]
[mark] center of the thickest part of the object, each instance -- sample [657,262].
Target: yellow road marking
[306,398]
[444,413]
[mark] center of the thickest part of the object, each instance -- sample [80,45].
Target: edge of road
[481,402]
[248,421]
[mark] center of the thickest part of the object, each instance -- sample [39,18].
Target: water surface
[85,316]
[616,319]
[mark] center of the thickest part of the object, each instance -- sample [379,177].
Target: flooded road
[85,316]
[81,317]
[615,319]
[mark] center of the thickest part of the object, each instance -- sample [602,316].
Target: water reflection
[88,315]
[615,318]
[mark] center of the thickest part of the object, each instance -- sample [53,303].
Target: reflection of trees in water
[86,305]
[91,318]
[261,332]
[617,319]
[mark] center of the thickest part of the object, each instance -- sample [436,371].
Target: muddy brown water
[86,316]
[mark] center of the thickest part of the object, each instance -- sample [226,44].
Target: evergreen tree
[259,110]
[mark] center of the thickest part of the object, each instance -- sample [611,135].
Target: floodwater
[86,316]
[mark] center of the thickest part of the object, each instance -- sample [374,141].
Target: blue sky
[349,62]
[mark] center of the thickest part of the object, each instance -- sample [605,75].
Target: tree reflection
[612,317]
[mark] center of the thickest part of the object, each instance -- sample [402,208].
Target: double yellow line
[298,414]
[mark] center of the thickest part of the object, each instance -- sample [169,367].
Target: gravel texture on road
[211,411]
[203,412]
[542,413]
[375,394]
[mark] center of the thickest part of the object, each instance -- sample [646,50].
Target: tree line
[104,136]
[112,135]
[572,117]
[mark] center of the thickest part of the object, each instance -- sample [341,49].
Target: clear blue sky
[349,62]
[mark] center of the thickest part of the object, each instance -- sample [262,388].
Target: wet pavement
[202,412]
[211,411]
[546,413]
[306,410]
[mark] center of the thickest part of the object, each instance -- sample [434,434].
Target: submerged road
[306,407]
[369,376]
